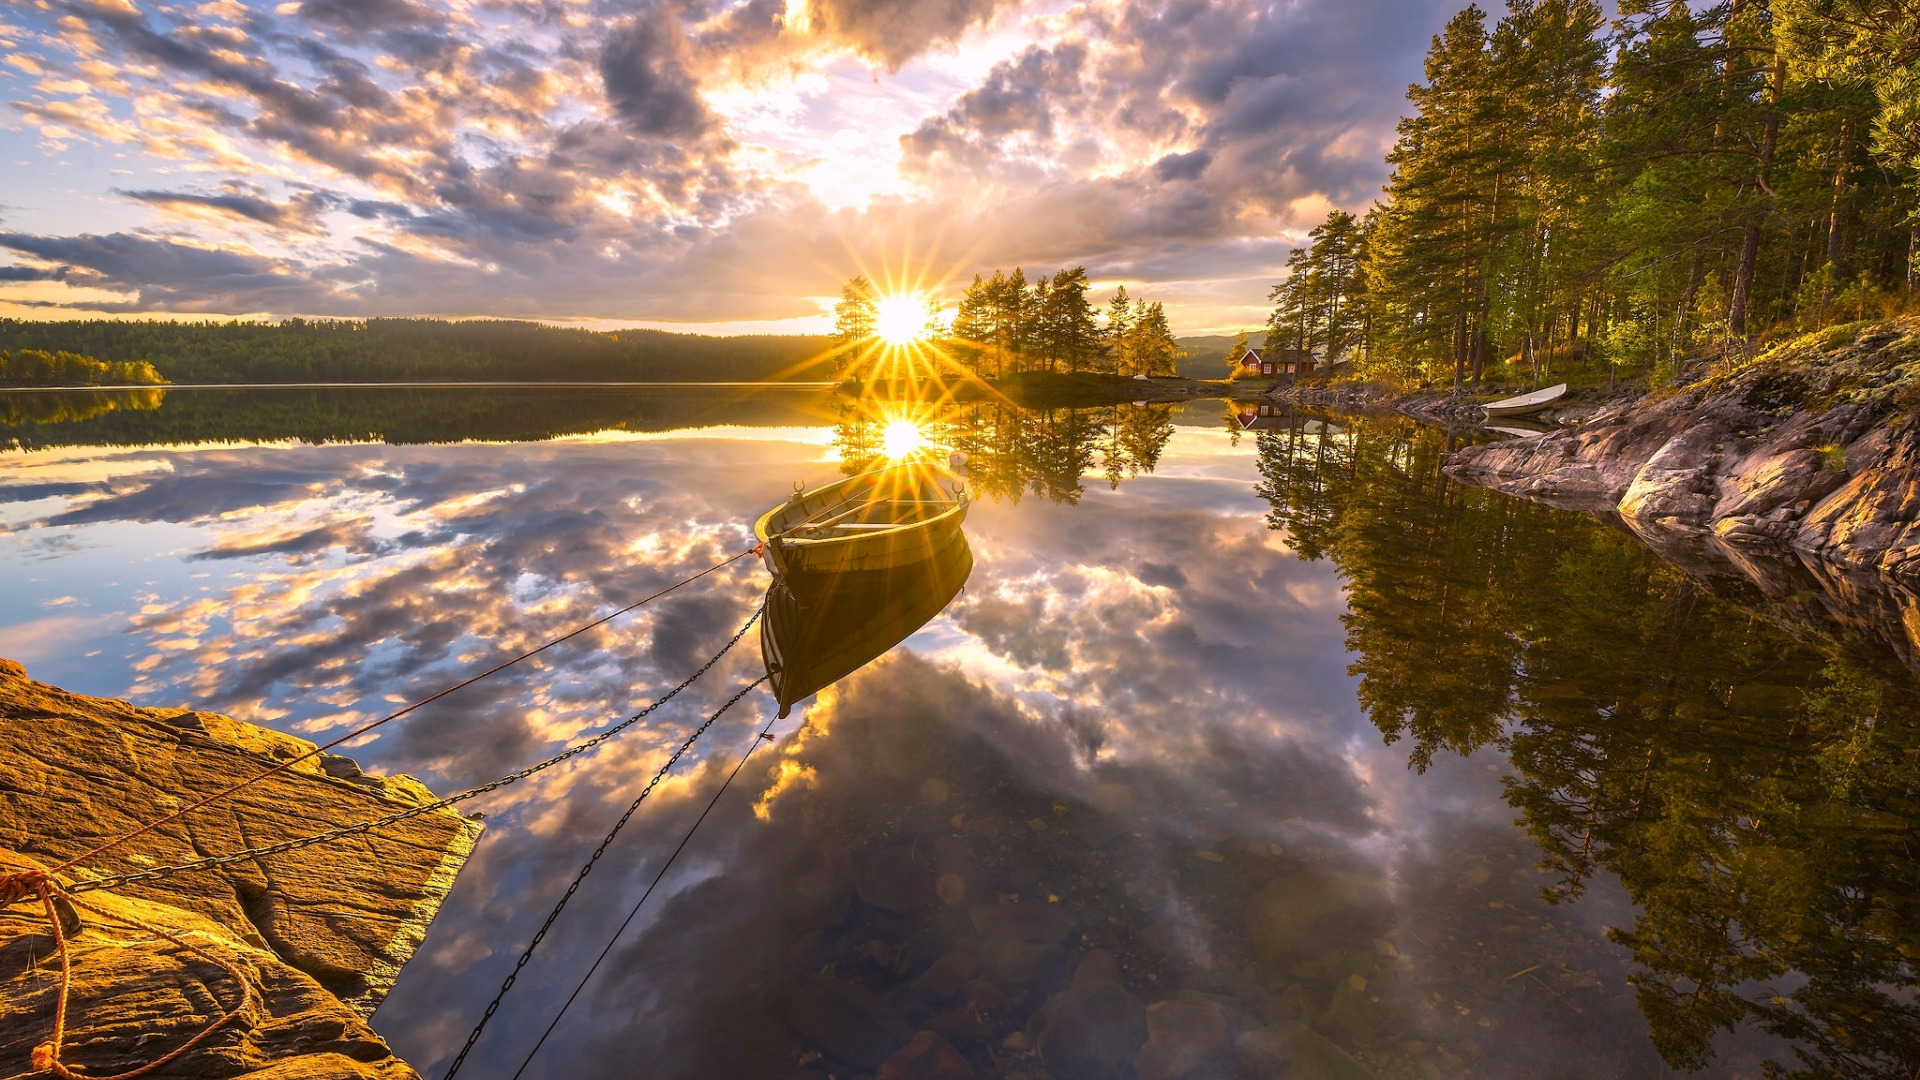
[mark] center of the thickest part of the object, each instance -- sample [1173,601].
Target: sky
[690,164]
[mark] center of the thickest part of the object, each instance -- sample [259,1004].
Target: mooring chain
[392,716]
[763,735]
[574,886]
[284,846]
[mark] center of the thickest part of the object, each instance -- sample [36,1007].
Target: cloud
[895,31]
[1182,166]
[360,16]
[646,78]
[687,161]
[165,274]
[33,273]
[297,213]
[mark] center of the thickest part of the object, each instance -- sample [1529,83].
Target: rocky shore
[321,932]
[1446,410]
[1814,446]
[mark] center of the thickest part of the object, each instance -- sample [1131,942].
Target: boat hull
[1526,404]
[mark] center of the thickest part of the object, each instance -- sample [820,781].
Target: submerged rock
[1182,1035]
[945,978]
[926,1057]
[1027,920]
[1092,1028]
[1306,914]
[1295,1050]
[846,1020]
[891,880]
[321,932]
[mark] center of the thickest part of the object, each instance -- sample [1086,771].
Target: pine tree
[1150,342]
[1065,332]
[1449,204]
[1119,320]
[1234,352]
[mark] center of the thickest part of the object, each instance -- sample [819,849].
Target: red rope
[359,731]
[27,884]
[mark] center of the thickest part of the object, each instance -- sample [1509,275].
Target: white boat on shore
[1525,404]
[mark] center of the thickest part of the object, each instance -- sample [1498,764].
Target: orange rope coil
[41,885]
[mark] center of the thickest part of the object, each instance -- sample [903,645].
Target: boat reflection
[822,626]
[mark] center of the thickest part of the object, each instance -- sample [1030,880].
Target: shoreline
[527,385]
[1812,448]
[1065,390]
[1443,407]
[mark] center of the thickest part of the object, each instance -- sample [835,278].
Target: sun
[900,320]
[900,438]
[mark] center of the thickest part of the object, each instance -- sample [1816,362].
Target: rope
[362,730]
[27,884]
[765,734]
[159,872]
[540,935]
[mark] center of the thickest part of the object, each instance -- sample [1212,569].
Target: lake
[1252,731]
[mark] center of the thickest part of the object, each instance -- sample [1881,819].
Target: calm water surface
[1348,770]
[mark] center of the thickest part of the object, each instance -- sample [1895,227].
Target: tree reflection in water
[1011,451]
[40,407]
[1755,794]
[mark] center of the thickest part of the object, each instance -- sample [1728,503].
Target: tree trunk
[1459,351]
[1750,235]
[1683,318]
[1743,275]
[1479,354]
[1833,217]
[1913,259]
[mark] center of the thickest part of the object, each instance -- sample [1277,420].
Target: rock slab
[322,932]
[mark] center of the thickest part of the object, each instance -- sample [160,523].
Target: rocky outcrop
[1814,446]
[322,932]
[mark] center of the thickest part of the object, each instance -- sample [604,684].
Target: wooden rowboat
[875,521]
[1525,404]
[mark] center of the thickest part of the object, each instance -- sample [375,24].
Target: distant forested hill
[1206,355]
[420,350]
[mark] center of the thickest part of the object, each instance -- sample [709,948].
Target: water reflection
[1753,793]
[1121,808]
[398,414]
[41,408]
[1011,451]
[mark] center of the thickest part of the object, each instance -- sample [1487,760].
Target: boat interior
[877,501]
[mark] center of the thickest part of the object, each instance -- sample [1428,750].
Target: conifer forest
[1684,178]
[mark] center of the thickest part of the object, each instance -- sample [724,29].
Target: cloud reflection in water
[1138,712]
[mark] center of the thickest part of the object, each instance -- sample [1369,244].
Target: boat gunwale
[763,531]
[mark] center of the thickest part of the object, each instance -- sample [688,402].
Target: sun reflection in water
[901,438]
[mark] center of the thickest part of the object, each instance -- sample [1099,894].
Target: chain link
[574,886]
[159,872]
